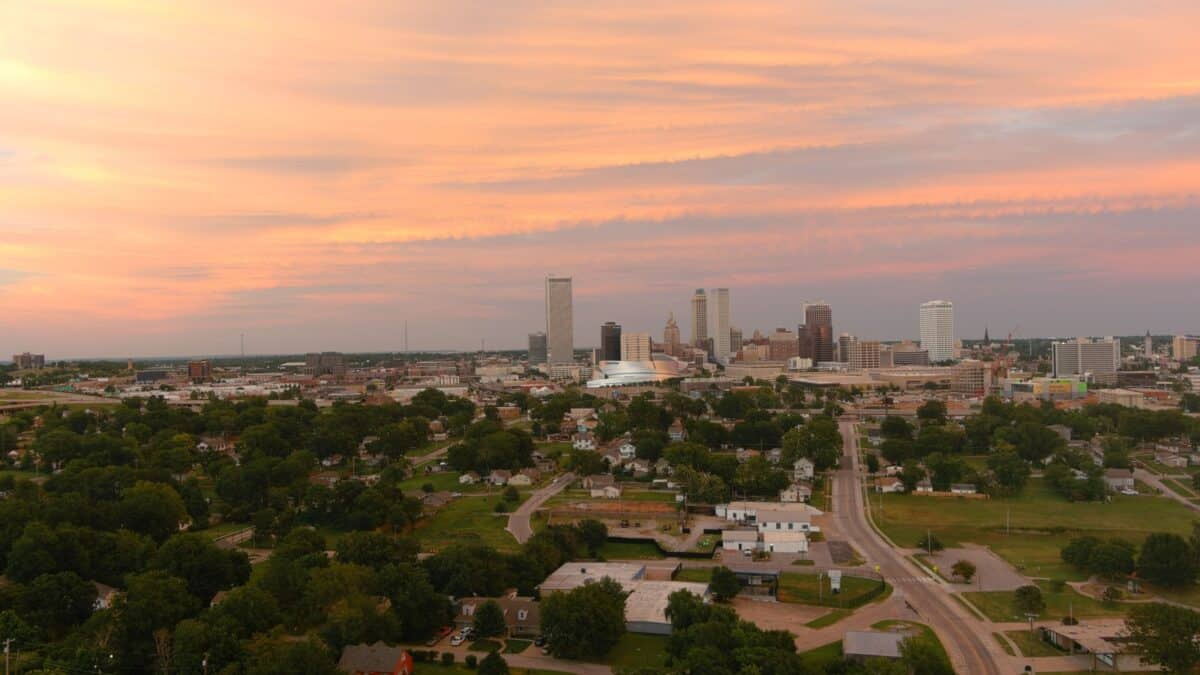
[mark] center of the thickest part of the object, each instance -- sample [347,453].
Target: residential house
[740,539]
[627,450]
[1171,460]
[105,595]
[326,478]
[1119,479]
[924,486]
[608,492]
[962,488]
[583,442]
[436,500]
[1062,430]
[612,456]
[746,454]
[676,431]
[522,615]
[775,455]
[597,481]
[332,460]
[662,467]
[888,484]
[468,478]
[892,470]
[499,477]
[639,467]
[803,469]
[796,492]
[375,659]
[524,478]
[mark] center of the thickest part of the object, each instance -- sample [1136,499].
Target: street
[518,522]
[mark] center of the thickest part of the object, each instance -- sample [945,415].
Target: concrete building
[937,329]
[635,347]
[537,348]
[864,645]
[719,303]
[971,378]
[1183,347]
[610,342]
[1098,358]
[699,318]
[671,340]
[909,354]
[864,354]
[646,602]
[325,363]
[560,321]
[782,345]
[818,319]
[735,340]
[27,361]
[845,344]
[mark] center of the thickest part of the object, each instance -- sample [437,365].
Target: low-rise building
[522,615]
[1119,480]
[375,659]
[863,645]
[646,602]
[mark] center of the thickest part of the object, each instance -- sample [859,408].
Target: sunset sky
[176,173]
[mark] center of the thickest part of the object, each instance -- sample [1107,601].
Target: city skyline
[356,165]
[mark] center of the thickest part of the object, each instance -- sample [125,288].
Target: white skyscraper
[560,321]
[937,329]
[635,346]
[719,302]
[699,317]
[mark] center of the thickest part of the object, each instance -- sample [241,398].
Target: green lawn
[648,496]
[1004,644]
[618,550]
[830,618]
[1032,645]
[639,650]
[467,520]
[921,629]
[998,605]
[443,480]
[1041,521]
[514,646]
[821,659]
[812,589]
[697,574]
[485,645]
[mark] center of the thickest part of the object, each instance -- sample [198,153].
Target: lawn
[467,520]
[998,605]
[813,589]
[638,650]
[701,575]
[1004,644]
[460,668]
[514,646]
[442,480]
[922,629]
[829,618]
[485,645]
[1031,645]
[620,550]
[648,496]
[821,659]
[1041,522]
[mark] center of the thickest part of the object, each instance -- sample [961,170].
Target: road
[967,640]
[518,521]
[1155,482]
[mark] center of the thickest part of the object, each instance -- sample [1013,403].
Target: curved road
[969,644]
[518,521]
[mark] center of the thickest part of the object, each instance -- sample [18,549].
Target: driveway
[993,573]
[518,521]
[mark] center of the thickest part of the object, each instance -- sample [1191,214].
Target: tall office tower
[1100,358]
[1185,347]
[937,329]
[560,321]
[671,336]
[735,340]
[537,348]
[1148,346]
[804,342]
[783,345]
[864,354]
[845,344]
[720,326]
[635,347]
[27,361]
[610,342]
[699,318]
[818,317]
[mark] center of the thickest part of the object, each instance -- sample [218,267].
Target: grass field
[812,589]
[1004,644]
[1041,521]
[1031,645]
[467,520]
[920,628]
[444,480]
[514,646]
[830,618]
[820,660]
[701,575]
[998,605]
[639,650]
[485,645]
[619,550]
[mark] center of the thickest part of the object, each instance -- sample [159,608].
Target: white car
[457,640]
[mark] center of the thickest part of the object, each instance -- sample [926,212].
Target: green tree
[929,542]
[910,474]
[932,411]
[586,622]
[493,664]
[1165,634]
[375,549]
[1168,560]
[724,584]
[56,602]
[594,533]
[1029,600]
[922,655]
[1010,471]
[964,569]
[205,567]
[154,509]
[489,620]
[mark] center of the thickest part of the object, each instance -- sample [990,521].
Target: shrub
[471,660]
[501,507]
[447,658]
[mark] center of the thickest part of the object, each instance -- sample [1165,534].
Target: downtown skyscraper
[699,318]
[937,329]
[719,311]
[560,321]
[818,331]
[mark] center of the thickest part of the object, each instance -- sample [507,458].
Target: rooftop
[872,643]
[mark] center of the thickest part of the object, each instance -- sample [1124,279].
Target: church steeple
[986,340]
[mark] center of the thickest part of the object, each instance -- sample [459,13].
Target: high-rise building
[804,342]
[325,363]
[671,341]
[1148,346]
[1183,347]
[720,324]
[818,319]
[537,348]
[610,341]
[908,353]
[635,347]
[699,318]
[735,340]
[199,370]
[560,321]
[937,329]
[971,377]
[1099,358]
[27,361]
[864,354]
[783,345]
[845,344]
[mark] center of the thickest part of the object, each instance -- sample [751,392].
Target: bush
[447,658]
[1058,586]
[501,507]
[1111,595]
[428,488]
[471,660]
[1070,621]
[511,494]
[930,542]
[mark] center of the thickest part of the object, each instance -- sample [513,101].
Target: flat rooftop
[648,601]
[575,574]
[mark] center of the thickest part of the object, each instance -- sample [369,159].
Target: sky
[313,174]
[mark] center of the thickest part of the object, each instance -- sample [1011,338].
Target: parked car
[457,640]
[439,635]
[539,641]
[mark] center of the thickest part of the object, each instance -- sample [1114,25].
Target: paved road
[968,642]
[1155,482]
[518,521]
